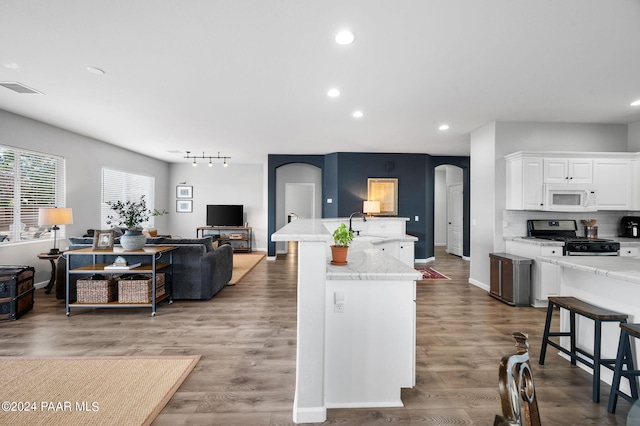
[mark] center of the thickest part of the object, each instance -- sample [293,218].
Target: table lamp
[371,207]
[55,216]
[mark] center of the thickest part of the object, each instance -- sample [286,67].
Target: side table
[51,258]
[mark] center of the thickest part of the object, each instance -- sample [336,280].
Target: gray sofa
[199,270]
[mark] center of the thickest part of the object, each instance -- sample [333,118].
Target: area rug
[431,274]
[243,263]
[89,390]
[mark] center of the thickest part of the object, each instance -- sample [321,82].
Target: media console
[238,236]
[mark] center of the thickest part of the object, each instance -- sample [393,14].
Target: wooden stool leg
[545,337]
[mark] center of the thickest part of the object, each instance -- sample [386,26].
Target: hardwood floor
[247,334]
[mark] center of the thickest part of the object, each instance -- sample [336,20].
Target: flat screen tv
[225,215]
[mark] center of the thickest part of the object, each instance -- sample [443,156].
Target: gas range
[566,231]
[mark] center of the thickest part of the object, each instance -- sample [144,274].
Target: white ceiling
[249,77]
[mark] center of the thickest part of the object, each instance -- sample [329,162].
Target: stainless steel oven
[566,231]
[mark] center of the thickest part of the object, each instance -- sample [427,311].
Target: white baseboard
[431,259]
[309,415]
[479,284]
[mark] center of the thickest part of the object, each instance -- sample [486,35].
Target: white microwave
[569,197]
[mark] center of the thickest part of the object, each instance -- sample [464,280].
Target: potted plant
[341,239]
[132,214]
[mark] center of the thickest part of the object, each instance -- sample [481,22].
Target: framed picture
[384,190]
[184,206]
[183,191]
[103,240]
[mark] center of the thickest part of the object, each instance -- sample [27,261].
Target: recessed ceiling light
[444,127]
[94,70]
[333,93]
[635,103]
[12,65]
[357,114]
[345,37]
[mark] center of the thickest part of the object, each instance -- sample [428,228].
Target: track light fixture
[210,157]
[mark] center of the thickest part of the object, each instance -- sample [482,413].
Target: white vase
[133,240]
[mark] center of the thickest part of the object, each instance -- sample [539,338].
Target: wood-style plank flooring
[247,335]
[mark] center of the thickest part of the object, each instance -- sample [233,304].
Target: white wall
[237,184]
[85,158]
[634,137]
[483,183]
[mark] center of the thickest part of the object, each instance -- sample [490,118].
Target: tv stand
[238,236]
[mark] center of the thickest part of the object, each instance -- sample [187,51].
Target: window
[123,186]
[28,181]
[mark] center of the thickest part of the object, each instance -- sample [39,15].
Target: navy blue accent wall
[330,186]
[355,168]
[344,177]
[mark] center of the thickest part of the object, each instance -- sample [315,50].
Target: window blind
[28,181]
[124,186]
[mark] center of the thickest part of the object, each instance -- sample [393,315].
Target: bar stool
[625,357]
[593,312]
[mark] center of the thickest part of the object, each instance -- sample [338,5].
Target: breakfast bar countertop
[371,264]
[617,267]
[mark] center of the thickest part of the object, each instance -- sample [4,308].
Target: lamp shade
[55,216]
[371,207]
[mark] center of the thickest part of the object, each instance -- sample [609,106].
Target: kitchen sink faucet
[364,219]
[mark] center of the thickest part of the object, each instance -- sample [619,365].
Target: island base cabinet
[370,342]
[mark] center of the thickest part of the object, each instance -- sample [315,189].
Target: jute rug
[89,391]
[243,263]
[431,274]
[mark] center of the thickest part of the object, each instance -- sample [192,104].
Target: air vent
[19,87]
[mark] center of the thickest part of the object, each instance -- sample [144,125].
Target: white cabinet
[370,343]
[629,251]
[614,180]
[614,175]
[564,170]
[524,183]
[402,250]
[544,281]
[406,253]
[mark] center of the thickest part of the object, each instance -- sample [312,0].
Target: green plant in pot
[341,239]
[132,214]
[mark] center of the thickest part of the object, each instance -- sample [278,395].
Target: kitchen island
[612,282]
[356,324]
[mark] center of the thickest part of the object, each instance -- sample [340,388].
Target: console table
[148,257]
[238,236]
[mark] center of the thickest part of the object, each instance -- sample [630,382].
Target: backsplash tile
[515,221]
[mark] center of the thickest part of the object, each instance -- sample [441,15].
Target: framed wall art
[103,240]
[184,206]
[184,191]
[384,190]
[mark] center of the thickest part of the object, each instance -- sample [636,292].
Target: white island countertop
[621,268]
[371,264]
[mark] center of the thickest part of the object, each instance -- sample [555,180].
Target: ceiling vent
[19,87]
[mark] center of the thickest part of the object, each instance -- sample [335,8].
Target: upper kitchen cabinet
[615,176]
[524,182]
[614,181]
[565,170]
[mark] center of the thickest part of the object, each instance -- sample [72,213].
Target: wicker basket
[97,290]
[137,289]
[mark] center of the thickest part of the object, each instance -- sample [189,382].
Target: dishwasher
[510,279]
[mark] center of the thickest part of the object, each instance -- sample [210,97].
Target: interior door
[454,219]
